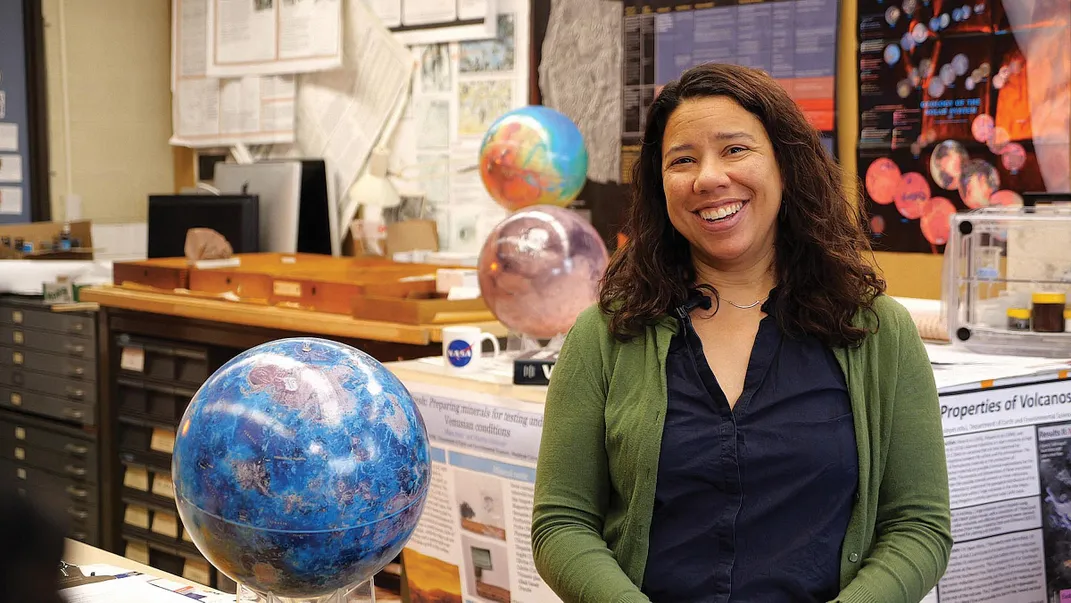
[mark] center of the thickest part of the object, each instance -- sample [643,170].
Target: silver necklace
[748,306]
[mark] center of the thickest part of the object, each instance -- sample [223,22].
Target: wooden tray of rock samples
[305,281]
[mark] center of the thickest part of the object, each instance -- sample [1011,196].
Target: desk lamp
[373,190]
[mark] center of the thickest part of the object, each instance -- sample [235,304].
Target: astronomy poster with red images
[963,104]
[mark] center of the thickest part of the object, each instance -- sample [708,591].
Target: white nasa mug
[462,346]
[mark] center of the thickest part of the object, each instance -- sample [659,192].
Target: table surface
[79,553]
[497,380]
[288,319]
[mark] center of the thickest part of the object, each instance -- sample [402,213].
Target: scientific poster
[208,111]
[961,107]
[795,41]
[270,37]
[459,90]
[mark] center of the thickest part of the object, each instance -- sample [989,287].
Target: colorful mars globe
[533,156]
[301,467]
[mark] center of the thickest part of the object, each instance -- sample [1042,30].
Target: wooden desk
[78,553]
[283,319]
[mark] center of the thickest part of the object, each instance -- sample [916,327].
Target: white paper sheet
[273,37]
[10,200]
[141,588]
[10,168]
[9,137]
[388,11]
[209,112]
[952,367]
[342,113]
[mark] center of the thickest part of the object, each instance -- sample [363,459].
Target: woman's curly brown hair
[823,279]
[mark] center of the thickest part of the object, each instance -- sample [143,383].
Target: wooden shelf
[299,321]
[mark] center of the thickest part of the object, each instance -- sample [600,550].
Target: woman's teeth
[720,213]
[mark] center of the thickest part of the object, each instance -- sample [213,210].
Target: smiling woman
[782,447]
[719,133]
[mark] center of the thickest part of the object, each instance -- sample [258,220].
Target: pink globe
[539,268]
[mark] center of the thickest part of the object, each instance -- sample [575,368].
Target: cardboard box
[44,241]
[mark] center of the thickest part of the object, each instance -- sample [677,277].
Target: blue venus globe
[301,467]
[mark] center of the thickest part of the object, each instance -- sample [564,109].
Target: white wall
[118,57]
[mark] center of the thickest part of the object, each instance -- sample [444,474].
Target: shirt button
[853,557]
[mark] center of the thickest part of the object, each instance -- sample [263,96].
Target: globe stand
[533,361]
[364,592]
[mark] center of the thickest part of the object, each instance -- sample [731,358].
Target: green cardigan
[602,432]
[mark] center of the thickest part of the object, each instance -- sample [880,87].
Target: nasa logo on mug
[459,352]
[461,348]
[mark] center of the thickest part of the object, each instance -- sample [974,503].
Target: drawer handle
[82,536]
[77,492]
[71,413]
[77,327]
[75,449]
[75,348]
[78,371]
[77,513]
[74,470]
[75,392]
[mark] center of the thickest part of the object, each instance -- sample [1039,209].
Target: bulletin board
[961,106]
[795,41]
[24,194]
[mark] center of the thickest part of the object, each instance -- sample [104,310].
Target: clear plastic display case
[1007,280]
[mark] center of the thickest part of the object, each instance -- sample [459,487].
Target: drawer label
[20,473]
[16,337]
[16,399]
[162,486]
[163,440]
[136,478]
[286,288]
[16,358]
[16,317]
[132,359]
[20,453]
[20,433]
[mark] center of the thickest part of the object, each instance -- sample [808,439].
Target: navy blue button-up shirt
[752,503]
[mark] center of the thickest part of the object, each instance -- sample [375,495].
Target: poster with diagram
[795,41]
[961,106]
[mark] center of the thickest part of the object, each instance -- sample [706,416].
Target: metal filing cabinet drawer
[17,430]
[46,320]
[49,406]
[48,397]
[53,460]
[53,364]
[59,490]
[47,341]
[77,390]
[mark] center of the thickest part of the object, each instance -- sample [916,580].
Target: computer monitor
[236,217]
[297,205]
